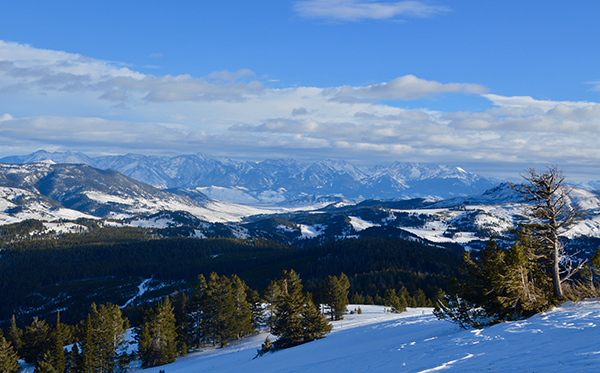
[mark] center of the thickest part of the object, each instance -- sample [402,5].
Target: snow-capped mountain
[279,180]
[48,191]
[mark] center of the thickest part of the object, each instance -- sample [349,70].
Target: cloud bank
[57,100]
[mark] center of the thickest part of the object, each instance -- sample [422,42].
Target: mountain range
[55,193]
[280,180]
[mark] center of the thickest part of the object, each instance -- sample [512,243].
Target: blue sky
[493,86]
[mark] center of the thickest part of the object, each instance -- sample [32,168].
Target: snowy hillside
[564,339]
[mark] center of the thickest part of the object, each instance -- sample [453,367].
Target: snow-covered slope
[564,339]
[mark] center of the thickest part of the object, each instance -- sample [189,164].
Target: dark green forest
[106,264]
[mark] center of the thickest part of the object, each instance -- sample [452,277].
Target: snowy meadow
[563,339]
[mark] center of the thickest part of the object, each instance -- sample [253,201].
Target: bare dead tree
[550,215]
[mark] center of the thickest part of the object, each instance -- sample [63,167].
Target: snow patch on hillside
[310,231]
[159,223]
[358,224]
[65,227]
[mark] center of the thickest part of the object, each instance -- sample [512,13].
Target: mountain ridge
[288,178]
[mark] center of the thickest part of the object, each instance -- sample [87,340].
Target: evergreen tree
[46,364]
[9,360]
[36,341]
[500,285]
[287,325]
[392,300]
[257,311]
[521,286]
[15,334]
[314,323]
[335,295]
[85,357]
[550,215]
[296,319]
[157,341]
[196,325]
[219,311]
[271,295]
[591,273]
[357,298]
[108,330]
[181,324]
[406,298]
[102,342]
[144,341]
[242,313]
[57,349]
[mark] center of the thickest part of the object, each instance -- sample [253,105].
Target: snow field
[564,339]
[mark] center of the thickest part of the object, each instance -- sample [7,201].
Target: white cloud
[74,102]
[407,87]
[24,68]
[356,10]
[529,102]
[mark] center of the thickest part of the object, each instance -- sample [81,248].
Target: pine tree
[242,313]
[196,326]
[219,311]
[392,300]
[593,268]
[296,319]
[15,334]
[314,323]
[406,298]
[357,298]
[157,341]
[335,295]
[86,359]
[102,342]
[57,349]
[550,215]
[521,286]
[9,360]
[181,324]
[36,341]
[257,311]
[145,352]
[108,330]
[271,295]
[46,364]
[500,285]
[421,298]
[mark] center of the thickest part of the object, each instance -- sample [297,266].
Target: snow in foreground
[565,339]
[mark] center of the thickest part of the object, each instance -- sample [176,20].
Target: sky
[495,87]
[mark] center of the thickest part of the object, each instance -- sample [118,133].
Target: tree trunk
[556,270]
